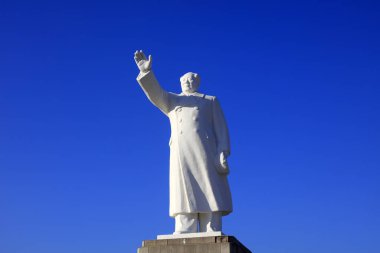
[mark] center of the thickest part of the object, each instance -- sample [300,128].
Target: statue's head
[190,82]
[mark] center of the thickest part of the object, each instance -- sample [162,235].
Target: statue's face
[189,82]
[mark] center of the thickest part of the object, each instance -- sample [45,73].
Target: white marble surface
[189,235]
[199,143]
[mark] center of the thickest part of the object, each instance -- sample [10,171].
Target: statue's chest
[192,112]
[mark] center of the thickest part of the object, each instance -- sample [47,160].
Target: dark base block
[211,244]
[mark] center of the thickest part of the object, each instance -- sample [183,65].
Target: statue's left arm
[222,136]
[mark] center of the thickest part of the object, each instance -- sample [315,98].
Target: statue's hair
[197,78]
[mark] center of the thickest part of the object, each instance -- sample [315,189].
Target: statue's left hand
[222,164]
[142,62]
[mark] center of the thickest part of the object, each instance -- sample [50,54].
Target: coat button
[180,120]
[195,118]
[180,132]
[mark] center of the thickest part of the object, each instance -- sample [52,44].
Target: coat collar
[196,94]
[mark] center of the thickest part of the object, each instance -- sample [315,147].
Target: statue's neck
[187,93]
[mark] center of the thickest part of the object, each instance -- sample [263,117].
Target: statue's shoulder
[174,98]
[174,94]
[209,97]
[204,96]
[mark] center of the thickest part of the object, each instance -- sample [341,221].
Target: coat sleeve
[220,128]
[152,89]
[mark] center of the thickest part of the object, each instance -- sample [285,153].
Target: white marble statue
[199,146]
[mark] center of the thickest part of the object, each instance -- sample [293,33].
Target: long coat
[198,134]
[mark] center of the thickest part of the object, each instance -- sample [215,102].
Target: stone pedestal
[209,244]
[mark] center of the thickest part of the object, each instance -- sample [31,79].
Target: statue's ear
[197,77]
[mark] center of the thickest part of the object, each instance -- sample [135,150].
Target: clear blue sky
[84,155]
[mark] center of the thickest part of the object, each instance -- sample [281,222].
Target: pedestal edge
[209,240]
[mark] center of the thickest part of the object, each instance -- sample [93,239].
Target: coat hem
[224,213]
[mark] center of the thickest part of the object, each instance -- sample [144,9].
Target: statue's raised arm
[148,82]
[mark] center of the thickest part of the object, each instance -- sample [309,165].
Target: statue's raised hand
[142,62]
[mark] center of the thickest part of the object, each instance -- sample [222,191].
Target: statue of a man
[199,146]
